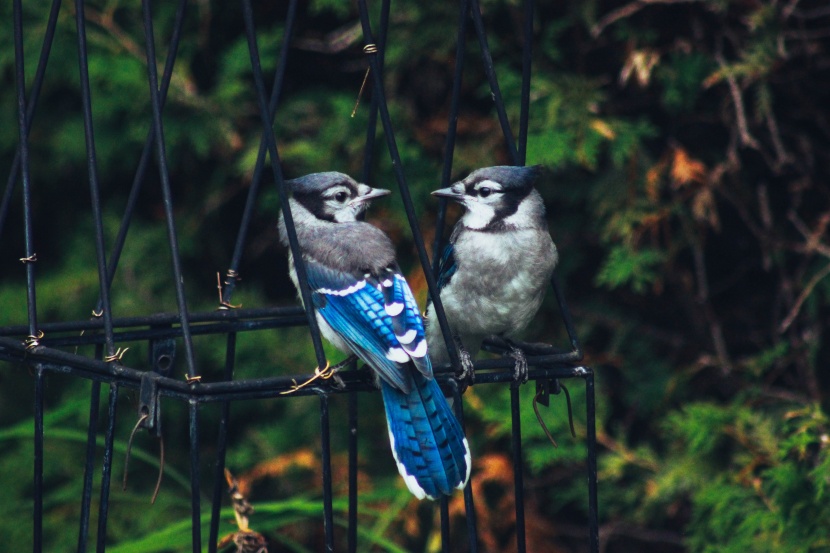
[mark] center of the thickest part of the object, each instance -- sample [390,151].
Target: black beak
[448,193]
[373,193]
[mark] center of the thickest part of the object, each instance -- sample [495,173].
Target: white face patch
[336,200]
[481,208]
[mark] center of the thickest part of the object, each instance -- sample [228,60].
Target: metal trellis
[43,347]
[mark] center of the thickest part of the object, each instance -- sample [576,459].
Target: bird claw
[520,368]
[467,374]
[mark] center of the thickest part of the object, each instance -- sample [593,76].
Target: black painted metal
[24,343]
[45,50]
[221,448]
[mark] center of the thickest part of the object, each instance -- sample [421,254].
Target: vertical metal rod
[45,50]
[20,81]
[397,166]
[469,505]
[282,189]
[353,505]
[94,187]
[161,159]
[195,509]
[37,518]
[371,128]
[566,317]
[444,506]
[591,443]
[452,129]
[89,466]
[256,179]
[221,448]
[106,470]
[518,480]
[527,61]
[489,70]
[144,160]
[325,450]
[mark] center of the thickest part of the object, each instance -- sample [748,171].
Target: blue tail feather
[427,441]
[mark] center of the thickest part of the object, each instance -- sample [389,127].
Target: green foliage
[687,201]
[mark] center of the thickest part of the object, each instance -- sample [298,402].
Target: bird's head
[333,196]
[495,195]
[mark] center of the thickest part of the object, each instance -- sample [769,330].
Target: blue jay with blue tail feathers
[364,306]
[497,265]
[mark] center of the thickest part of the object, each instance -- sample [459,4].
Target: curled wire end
[223,303]
[31,259]
[323,374]
[97,314]
[33,340]
[192,379]
[161,471]
[141,419]
[119,353]
[542,422]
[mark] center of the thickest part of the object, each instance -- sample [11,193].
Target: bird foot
[520,368]
[467,374]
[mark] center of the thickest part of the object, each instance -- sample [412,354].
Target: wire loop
[324,374]
[33,340]
[31,259]
[119,353]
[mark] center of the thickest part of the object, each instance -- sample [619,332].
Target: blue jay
[496,267]
[364,305]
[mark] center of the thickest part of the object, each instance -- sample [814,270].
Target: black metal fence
[45,348]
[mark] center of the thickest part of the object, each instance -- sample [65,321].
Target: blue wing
[376,316]
[446,266]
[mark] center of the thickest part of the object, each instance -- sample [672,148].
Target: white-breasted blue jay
[497,265]
[364,305]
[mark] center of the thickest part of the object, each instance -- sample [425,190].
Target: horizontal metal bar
[69,363]
[158,319]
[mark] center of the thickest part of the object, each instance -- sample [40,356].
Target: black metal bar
[94,187]
[518,463]
[106,470]
[89,466]
[452,130]
[489,70]
[221,448]
[325,451]
[175,332]
[527,62]
[144,160]
[282,189]
[371,128]
[353,505]
[69,363]
[37,84]
[444,509]
[469,503]
[31,257]
[37,518]
[256,179]
[397,166]
[591,442]
[195,509]
[566,319]
[161,160]
[160,319]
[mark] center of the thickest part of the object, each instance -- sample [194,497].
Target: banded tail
[429,447]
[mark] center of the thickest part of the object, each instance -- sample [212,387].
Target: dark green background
[688,143]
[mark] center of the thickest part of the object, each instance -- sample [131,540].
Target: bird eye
[484,191]
[341,197]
